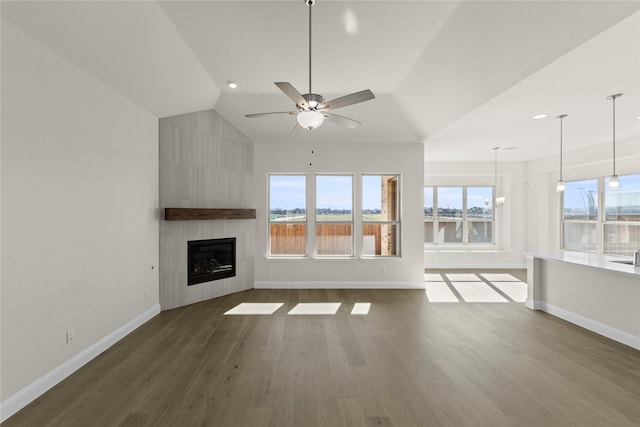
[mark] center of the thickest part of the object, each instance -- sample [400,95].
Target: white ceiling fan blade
[353,98]
[342,120]
[292,93]
[270,114]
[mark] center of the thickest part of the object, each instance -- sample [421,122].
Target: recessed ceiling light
[232,84]
[539,116]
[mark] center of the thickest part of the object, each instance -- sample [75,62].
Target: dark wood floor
[408,362]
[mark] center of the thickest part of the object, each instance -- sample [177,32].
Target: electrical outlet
[70,336]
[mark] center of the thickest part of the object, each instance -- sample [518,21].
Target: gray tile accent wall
[205,162]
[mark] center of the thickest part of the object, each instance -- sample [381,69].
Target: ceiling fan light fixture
[310,119]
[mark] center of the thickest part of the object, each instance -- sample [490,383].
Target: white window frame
[601,218]
[316,222]
[464,220]
[396,222]
[305,222]
[357,222]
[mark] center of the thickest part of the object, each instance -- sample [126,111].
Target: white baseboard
[338,285]
[590,324]
[34,390]
[534,305]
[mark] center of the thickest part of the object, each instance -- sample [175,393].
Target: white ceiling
[460,76]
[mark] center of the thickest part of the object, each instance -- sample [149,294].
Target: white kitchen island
[589,290]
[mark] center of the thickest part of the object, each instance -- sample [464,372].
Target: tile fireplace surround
[205,163]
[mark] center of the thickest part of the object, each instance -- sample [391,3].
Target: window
[463,215]
[580,215]
[609,226]
[333,229]
[334,215]
[380,215]
[479,209]
[622,216]
[428,214]
[287,215]
[449,224]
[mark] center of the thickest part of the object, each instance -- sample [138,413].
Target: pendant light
[614,181]
[499,201]
[560,185]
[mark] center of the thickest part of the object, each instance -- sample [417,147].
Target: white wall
[294,157]
[543,230]
[508,252]
[79,211]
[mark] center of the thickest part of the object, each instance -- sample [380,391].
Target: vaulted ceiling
[460,76]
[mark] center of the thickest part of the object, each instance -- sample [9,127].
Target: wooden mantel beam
[197,214]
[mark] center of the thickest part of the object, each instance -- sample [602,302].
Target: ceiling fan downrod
[310,3]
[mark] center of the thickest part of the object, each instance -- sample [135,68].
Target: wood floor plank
[407,362]
[351,412]
[257,417]
[399,413]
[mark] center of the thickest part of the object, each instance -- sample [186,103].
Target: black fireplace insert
[209,260]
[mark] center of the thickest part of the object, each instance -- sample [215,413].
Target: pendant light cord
[310,6]
[562,116]
[613,99]
[560,148]
[614,134]
[495,173]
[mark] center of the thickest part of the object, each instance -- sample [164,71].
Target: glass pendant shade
[614,181]
[310,119]
[560,186]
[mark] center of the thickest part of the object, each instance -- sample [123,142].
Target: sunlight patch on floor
[517,291]
[254,308]
[477,292]
[463,277]
[440,292]
[315,308]
[431,277]
[499,277]
[361,308]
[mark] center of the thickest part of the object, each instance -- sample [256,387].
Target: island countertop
[600,262]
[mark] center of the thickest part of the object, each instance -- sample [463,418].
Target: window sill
[334,258]
[461,249]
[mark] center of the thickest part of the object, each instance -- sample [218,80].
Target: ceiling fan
[311,109]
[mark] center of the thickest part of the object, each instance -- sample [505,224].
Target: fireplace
[211,259]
